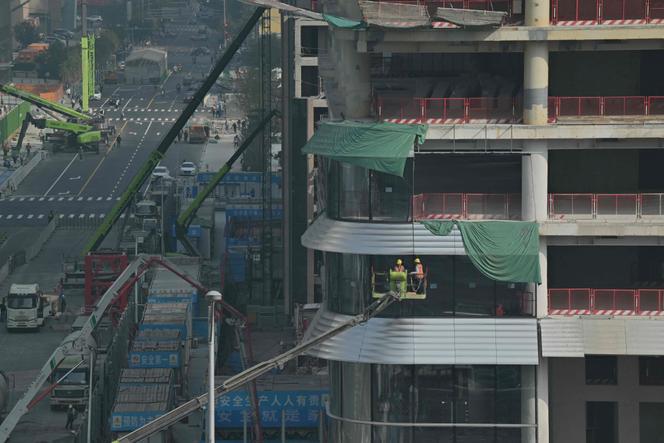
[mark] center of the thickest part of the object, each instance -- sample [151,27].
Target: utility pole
[266,146]
[85,57]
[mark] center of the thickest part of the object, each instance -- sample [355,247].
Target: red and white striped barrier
[636,21]
[445,121]
[442,216]
[402,121]
[569,311]
[576,23]
[444,25]
[614,312]
[652,313]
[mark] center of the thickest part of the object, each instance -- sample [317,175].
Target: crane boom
[43,103]
[234,382]
[76,342]
[159,153]
[187,216]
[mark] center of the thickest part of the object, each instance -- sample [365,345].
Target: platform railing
[467,206]
[567,206]
[589,301]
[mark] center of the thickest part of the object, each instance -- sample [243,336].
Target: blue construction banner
[154,359]
[301,409]
[129,421]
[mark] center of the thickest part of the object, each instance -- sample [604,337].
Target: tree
[25,33]
[49,63]
[105,46]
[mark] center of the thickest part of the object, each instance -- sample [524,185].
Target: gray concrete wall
[592,266]
[569,394]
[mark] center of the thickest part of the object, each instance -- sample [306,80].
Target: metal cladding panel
[379,238]
[604,336]
[562,337]
[644,336]
[516,341]
[428,340]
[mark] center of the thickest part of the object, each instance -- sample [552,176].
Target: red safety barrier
[575,301]
[470,206]
[448,110]
[652,205]
[487,5]
[606,12]
[614,106]
[571,206]
[616,205]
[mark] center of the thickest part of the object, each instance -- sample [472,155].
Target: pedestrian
[186,136]
[3,309]
[118,140]
[121,115]
[234,128]
[62,301]
[80,153]
[50,215]
[41,136]
[28,148]
[179,136]
[71,416]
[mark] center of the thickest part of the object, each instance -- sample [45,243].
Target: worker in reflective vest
[399,266]
[419,275]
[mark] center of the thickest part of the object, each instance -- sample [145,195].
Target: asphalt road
[71,187]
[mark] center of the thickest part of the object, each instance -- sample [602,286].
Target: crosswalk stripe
[10,216]
[70,199]
[71,216]
[102,215]
[109,198]
[31,199]
[42,216]
[20,216]
[61,216]
[30,216]
[41,199]
[99,198]
[91,216]
[60,199]
[51,199]
[81,215]
[89,198]
[21,199]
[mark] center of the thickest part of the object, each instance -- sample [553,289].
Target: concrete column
[537,12]
[535,83]
[528,401]
[543,400]
[534,181]
[541,291]
[353,79]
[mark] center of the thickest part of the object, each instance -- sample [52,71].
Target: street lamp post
[214,297]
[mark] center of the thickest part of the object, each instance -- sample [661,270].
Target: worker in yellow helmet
[419,276]
[399,266]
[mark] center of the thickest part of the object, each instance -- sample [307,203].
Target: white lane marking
[29,216]
[21,199]
[81,216]
[31,199]
[109,198]
[41,199]
[60,199]
[99,198]
[51,199]
[2,215]
[101,215]
[20,216]
[123,108]
[42,216]
[62,216]
[60,176]
[89,198]
[10,216]
[92,215]
[71,215]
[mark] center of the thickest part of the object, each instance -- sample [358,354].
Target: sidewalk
[7,185]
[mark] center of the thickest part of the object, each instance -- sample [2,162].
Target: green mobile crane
[78,131]
[155,157]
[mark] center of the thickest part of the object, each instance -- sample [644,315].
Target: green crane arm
[43,103]
[185,219]
[76,128]
[156,155]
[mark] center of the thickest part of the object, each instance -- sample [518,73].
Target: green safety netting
[344,23]
[379,146]
[502,250]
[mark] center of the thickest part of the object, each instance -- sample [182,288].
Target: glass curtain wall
[473,394]
[455,288]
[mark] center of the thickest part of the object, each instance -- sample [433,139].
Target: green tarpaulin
[502,250]
[344,23]
[379,146]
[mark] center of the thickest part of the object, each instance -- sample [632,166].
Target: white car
[161,172]
[96,96]
[187,168]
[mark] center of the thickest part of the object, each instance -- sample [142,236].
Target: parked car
[96,96]
[161,172]
[187,168]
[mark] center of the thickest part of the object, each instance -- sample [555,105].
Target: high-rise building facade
[547,112]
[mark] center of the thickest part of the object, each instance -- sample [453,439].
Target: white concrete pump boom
[251,374]
[75,343]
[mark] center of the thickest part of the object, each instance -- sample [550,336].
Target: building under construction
[511,147]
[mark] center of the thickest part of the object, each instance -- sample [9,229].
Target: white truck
[26,307]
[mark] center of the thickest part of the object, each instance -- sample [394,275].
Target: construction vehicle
[26,308]
[198,133]
[158,154]
[73,373]
[78,131]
